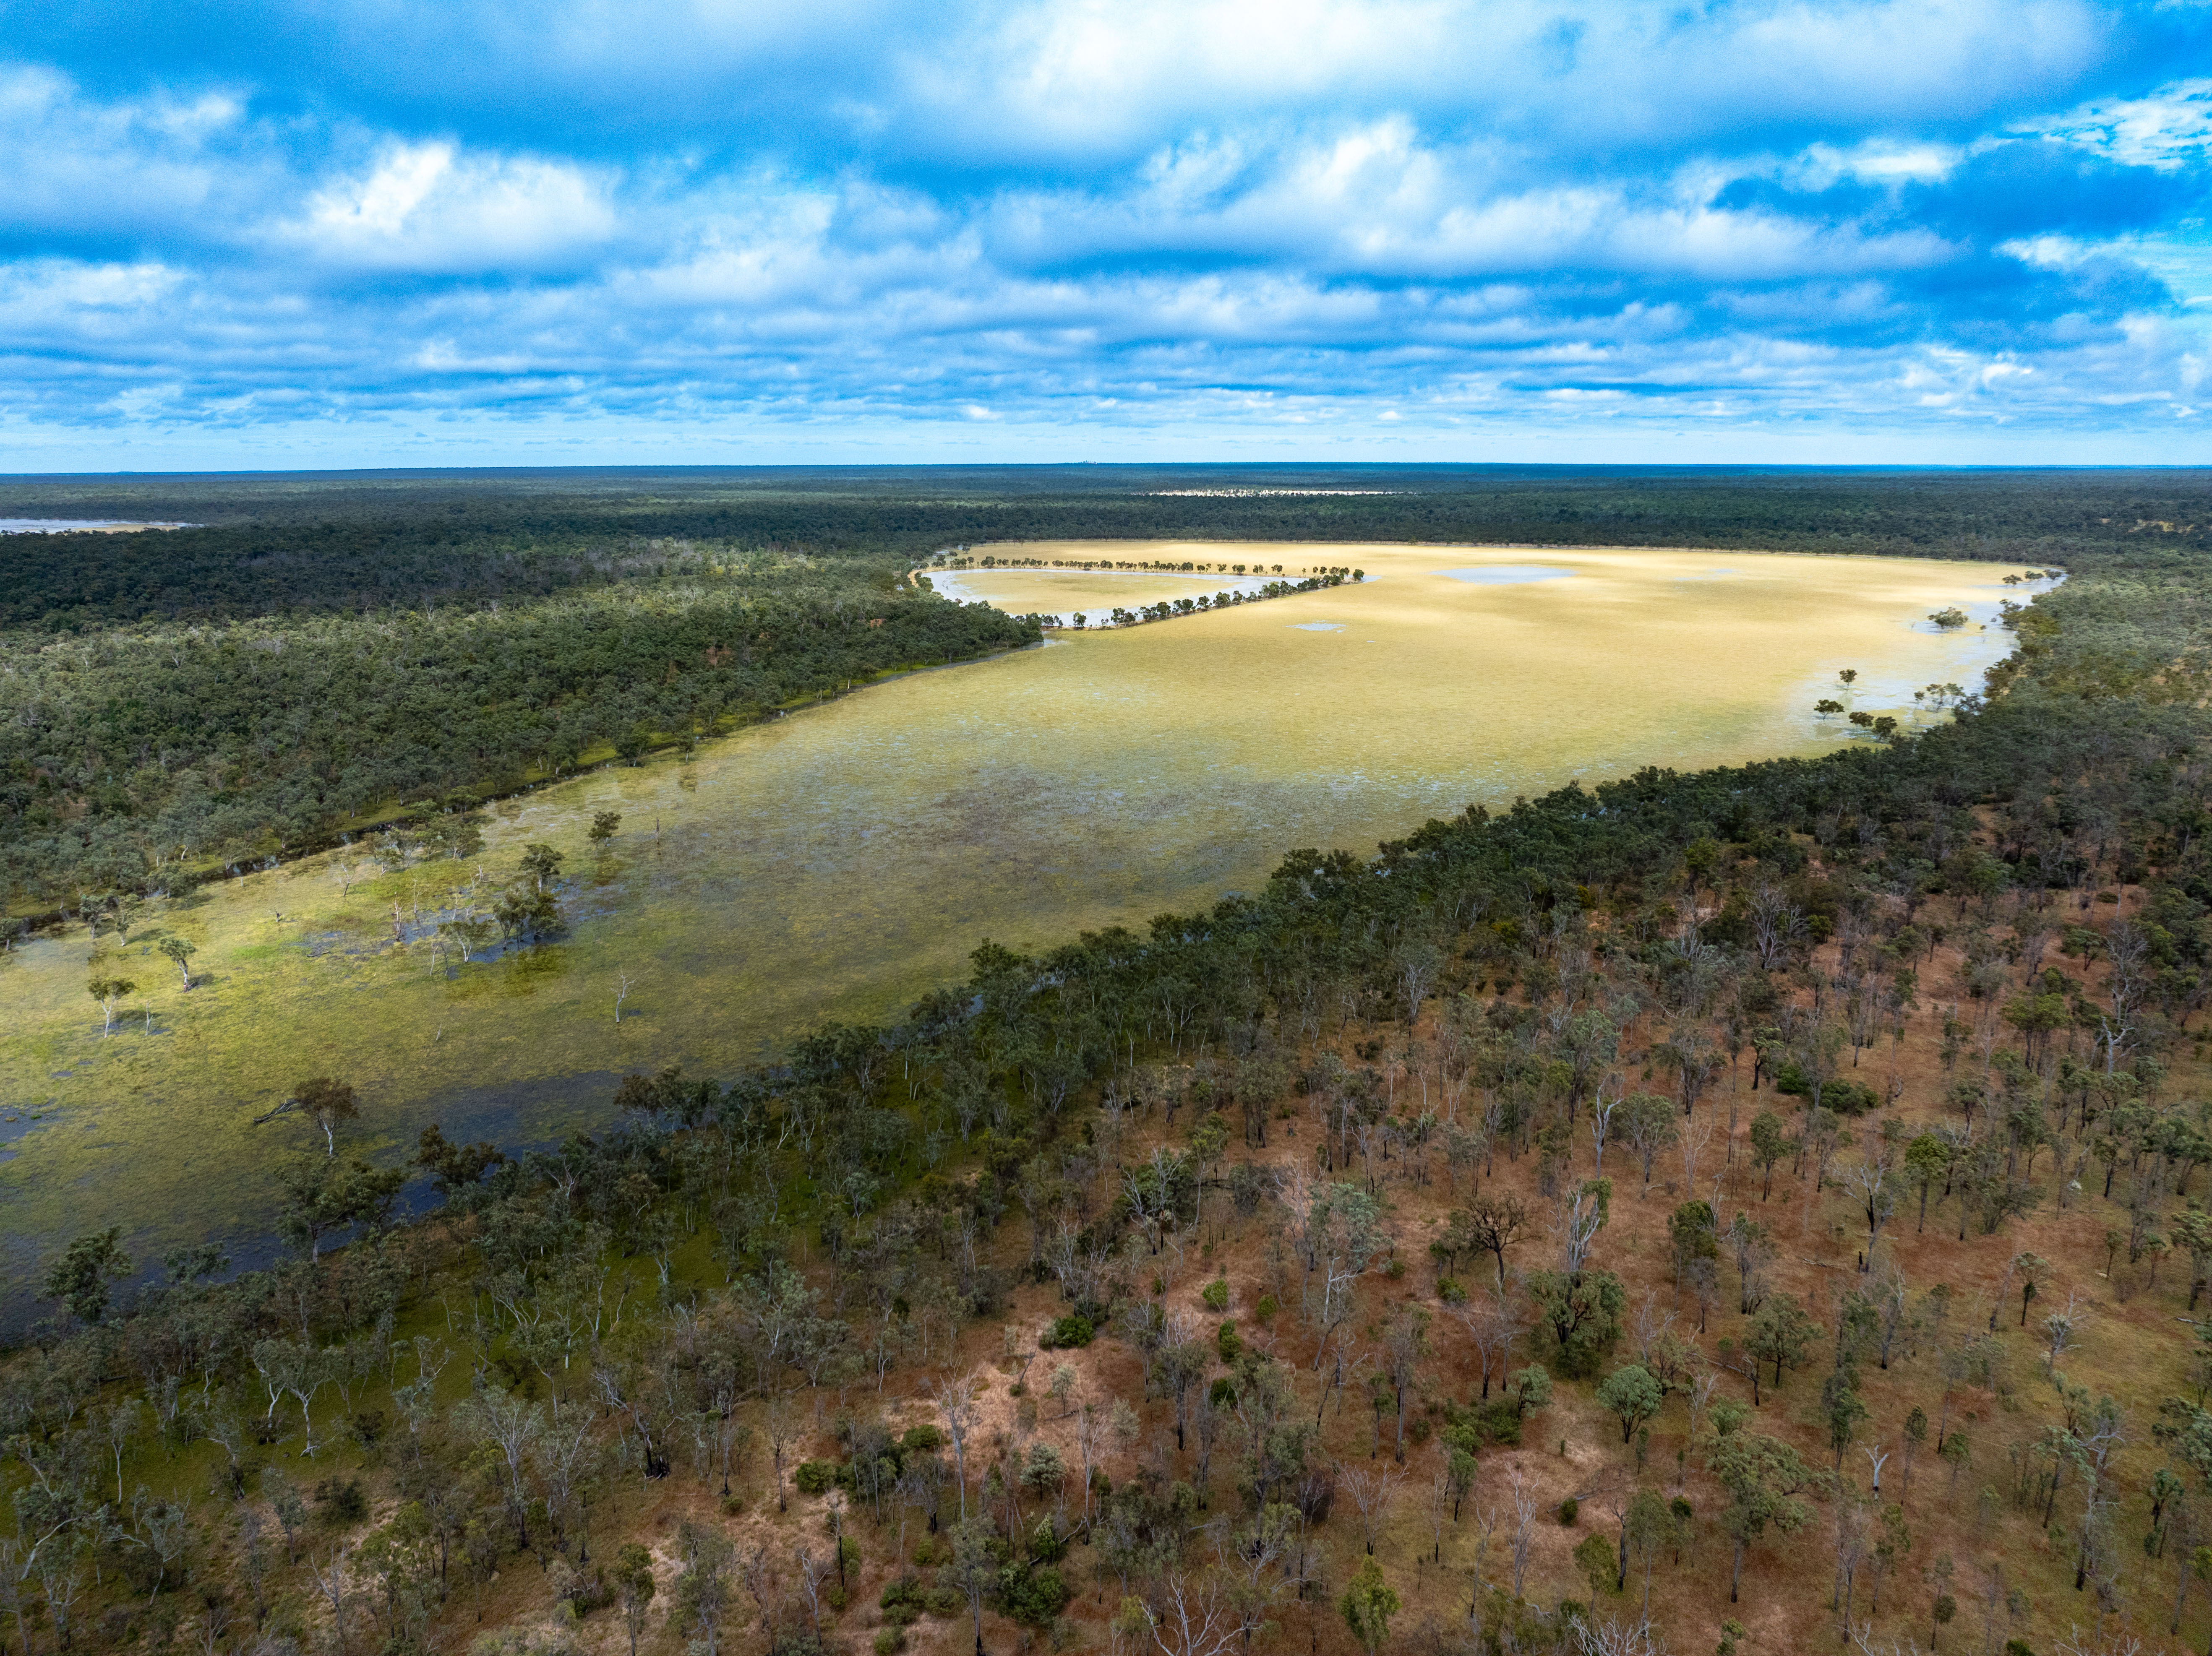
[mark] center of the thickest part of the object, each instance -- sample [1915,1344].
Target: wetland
[837,862]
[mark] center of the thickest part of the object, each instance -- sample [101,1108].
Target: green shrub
[340,1502]
[1032,1595]
[1229,1341]
[1569,1509]
[1266,1308]
[889,1640]
[815,1477]
[1478,1426]
[1216,1294]
[1843,1097]
[943,1601]
[1599,1561]
[921,1440]
[1451,1291]
[1069,1332]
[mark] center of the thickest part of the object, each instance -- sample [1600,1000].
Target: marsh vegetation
[841,860]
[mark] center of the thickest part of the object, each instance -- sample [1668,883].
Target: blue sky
[273,232]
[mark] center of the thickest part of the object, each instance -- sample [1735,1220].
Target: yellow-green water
[838,861]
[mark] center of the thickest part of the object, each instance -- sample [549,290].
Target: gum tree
[1762,1476]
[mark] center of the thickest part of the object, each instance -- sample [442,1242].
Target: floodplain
[837,862]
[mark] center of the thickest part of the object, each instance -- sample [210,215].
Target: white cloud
[1086,78]
[1155,210]
[130,168]
[428,207]
[2169,128]
[1880,160]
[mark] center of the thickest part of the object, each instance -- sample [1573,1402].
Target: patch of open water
[72,525]
[1507,574]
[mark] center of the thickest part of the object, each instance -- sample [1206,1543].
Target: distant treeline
[347,545]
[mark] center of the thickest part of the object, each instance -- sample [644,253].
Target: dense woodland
[139,758]
[1734,1211]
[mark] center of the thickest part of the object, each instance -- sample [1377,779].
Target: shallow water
[65,526]
[838,861]
[1064,594]
[1506,574]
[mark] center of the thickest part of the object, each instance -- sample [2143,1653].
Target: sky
[328,233]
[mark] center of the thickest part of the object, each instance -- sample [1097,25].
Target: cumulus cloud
[1165,213]
[426,207]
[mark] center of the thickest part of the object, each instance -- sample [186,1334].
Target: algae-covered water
[838,861]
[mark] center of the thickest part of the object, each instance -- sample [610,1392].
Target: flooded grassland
[837,862]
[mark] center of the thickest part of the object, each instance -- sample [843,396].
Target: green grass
[838,861]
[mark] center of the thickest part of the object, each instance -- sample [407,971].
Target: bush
[1247,1185]
[943,1601]
[1068,1334]
[1266,1308]
[815,1477]
[1843,1097]
[1599,1562]
[1569,1510]
[1216,1294]
[921,1440]
[340,1503]
[1033,1595]
[1451,1290]
[903,1598]
[1478,1426]
[1229,1341]
[889,1640]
